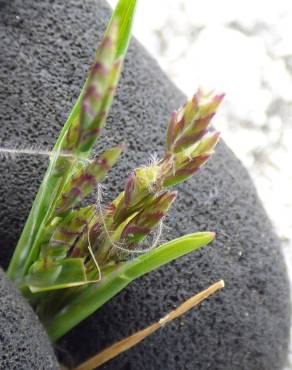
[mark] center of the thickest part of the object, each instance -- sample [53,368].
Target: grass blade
[60,274]
[124,13]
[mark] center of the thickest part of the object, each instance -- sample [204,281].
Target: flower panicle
[145,201]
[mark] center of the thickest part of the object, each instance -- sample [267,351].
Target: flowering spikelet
[188,138]
[189,124]
[85,179]
[140,187]
[189,161]
[142,224]
[66,233]
[97,96]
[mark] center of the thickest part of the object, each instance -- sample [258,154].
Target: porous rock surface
[23,342]
[47,47]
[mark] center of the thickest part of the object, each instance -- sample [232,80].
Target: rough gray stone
[47,47]
[23,342]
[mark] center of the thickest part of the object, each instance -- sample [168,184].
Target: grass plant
[72,258]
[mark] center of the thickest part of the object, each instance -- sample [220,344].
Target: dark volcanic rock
[23,342]
[46,49]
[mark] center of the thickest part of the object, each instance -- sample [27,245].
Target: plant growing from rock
[72,258]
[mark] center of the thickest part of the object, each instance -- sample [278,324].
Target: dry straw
[125,344]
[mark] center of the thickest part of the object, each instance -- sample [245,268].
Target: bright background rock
[47,49]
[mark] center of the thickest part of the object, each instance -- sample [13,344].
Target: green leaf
[124,14]
[88,299]
[57,275]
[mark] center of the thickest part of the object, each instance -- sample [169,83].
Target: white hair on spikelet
[119,245]
[12,153]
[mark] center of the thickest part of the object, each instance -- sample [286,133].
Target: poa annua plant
[70,258]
